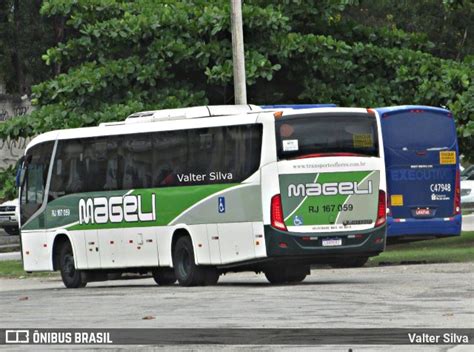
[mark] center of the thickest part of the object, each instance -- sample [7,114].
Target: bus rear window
[351,134]
[418,131]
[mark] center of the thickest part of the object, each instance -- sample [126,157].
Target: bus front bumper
[424,227]
[314,246]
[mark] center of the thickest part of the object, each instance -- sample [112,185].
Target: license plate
[423,212]
[332,242]
[4,218]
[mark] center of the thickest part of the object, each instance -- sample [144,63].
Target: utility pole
[238,58]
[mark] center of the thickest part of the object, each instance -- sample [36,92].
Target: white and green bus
[189,194]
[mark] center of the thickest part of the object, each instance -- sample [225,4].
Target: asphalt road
[434,295]
[416,296]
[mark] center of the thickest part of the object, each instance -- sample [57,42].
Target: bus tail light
[457,194]
[277,220]
[381,210]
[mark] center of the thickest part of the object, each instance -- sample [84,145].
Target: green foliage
[448,24]
[122,56]
[7,181]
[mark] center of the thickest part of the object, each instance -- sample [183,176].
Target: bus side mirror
[20,172]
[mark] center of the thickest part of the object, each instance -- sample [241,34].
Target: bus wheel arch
[177,234]
[187,272]
[64,261]
[59,242]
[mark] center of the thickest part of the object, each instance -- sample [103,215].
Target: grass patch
[443,250]
[14,269]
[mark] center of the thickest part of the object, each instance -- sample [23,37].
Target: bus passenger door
[92,249]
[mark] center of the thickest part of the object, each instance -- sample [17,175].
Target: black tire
[296,278]
[72,278]
[164,277]
[356,262]
[12,230]
[275,276]
[186,271]
[282,274]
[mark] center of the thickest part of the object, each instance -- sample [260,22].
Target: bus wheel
[286,274]
[356,262]
[298,274]
[12,230]
[186,271]
[72,278]
[164,277]
[276,274]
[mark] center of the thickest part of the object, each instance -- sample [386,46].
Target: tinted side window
[161,159]
[170,157]
[222,154]
[103,164]
[87,165]
[206,155]
[68,171]
[137,161]
[36,162]
[243,150]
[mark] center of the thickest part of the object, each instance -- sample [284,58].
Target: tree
[118,57]
[447,24]
[24,35]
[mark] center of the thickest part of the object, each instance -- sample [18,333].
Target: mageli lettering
[102,210]
[328,189]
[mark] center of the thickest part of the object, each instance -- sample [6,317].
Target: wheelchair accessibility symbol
[221,205]
[297,220]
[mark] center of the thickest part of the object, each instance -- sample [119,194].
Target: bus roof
[194,117]
[404,108]
[191,113]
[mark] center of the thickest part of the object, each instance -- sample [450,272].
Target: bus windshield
[419,131]
[312,135]
[34,183]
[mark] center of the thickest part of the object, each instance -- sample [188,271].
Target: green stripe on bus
[170,203]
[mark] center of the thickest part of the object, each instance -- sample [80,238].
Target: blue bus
[422,168]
